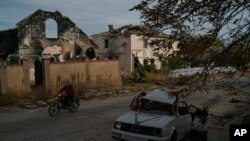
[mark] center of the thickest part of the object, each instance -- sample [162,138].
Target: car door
[134,105]
[183,119]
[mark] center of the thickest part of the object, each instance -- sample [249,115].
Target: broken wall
[31,33]
[117,46]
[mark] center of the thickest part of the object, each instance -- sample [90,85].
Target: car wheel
[174,136]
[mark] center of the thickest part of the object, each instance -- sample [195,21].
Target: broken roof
[41,16]
[89,41]
[45,15]
[135,29]
[161,96]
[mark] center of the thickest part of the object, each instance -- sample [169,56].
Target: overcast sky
[92,16]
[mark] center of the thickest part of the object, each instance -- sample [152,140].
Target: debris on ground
[103,93]
[235,100]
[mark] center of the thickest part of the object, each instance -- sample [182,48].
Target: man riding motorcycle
[69,91]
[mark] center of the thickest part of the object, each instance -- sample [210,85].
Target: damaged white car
[161,117]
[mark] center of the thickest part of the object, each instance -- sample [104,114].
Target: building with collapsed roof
[26,45]
[30,38]
[131,43]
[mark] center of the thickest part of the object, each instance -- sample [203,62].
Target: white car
[161,117]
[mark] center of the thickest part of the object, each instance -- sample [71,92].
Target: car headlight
[157,132]
[118,125]
[168,131]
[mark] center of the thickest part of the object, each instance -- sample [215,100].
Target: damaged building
[35,53]
[30,38]
[134,44]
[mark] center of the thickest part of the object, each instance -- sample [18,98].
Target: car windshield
[155,107]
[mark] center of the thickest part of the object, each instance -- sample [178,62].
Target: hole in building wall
[90,53]
[51,29]
[106,43]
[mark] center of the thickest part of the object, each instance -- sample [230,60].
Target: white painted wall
[126,48]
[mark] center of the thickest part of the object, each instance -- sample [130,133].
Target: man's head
[68,83]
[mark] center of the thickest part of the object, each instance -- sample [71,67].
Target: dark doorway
[38,73]
[90,53]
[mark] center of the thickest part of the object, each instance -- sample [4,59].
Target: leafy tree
[227,20]
[173,62]
[237,56]
[194,52]
[192,49]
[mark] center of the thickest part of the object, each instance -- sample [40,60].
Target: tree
[192,49]
[227,20]
[237,56]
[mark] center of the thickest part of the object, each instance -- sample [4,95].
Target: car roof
[161,95]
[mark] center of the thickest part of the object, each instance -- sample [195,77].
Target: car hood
[145,119]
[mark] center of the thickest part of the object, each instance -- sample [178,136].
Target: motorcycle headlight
[118,125]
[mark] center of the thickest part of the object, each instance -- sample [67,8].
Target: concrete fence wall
[192,71]
[15,78]
[75,72]
[104,73]
[82,74]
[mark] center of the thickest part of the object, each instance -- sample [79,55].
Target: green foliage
[173,62]
[149,67]
[237,56]
[140,71]
[192,49]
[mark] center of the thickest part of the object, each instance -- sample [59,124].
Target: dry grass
[8,99]
[14,98]
[156,78]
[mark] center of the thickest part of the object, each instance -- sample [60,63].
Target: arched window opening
[51,30]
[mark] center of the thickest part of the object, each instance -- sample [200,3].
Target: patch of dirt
[104,93]
[229,108]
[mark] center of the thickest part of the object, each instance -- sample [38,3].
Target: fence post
[3,77]
[46,73]
[88,80]
[119,69]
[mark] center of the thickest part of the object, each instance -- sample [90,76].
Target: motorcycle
[59,104]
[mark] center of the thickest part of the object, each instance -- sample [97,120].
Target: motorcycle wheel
[53,110]
[74,107]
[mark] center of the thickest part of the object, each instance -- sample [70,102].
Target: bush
[149,67]
[139,75]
